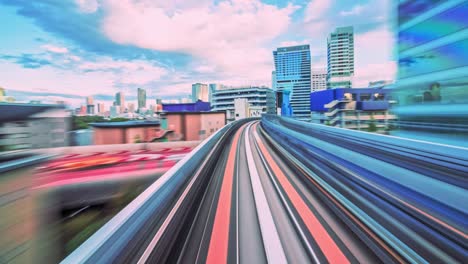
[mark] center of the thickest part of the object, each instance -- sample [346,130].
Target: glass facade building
[293,74]
[432,84]
[141,98]
[340,58]
[200,92]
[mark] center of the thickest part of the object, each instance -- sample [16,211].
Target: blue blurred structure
[432,86]
[355,108]
[286,109]
[198,106]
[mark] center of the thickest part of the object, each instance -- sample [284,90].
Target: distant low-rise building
[193,125]
[354,108]
[29,126]
[126,132]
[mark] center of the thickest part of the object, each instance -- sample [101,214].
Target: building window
[365,97]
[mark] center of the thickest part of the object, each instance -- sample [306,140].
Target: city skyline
[102,58]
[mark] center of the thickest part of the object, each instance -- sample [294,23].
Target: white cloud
[74,58]
[231,36]
[87,6]
[316,9]
[356,10]
[373,56]
[54,49]
[374,72]
[126,72]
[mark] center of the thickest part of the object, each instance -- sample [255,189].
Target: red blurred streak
[218,249]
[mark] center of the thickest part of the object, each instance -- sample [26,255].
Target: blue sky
[67,49]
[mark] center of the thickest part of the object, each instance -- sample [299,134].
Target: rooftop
[125,124]
[20,111]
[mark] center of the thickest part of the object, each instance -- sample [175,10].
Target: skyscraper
[200,92]
[340,55]
[293,75]
[319,79]
[141,98]
[101,108]
[89,100]
[273,80]
[89,105]
[120,101]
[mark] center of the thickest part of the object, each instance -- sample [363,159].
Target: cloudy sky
[67,49]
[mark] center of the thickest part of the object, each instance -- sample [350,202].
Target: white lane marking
[285,203]
[271,240]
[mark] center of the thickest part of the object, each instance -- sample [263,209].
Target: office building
[30,126]
[213,87]
[360,108]
[114,111]
[141,98]
[319,79]
[200,92]
[432,79]
[120,101]
[261,97]
[89,100]
[273,80]
[101,108]
[340,58]
[89,105]
[293,74]
[90,110]
[131,107]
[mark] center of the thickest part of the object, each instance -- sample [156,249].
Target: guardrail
[19,160]
[126,236]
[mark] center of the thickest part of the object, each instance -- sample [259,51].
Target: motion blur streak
[297,180]
[218,250]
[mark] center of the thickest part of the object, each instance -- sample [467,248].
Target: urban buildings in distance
[293,78]
[200,92]
[362,108]
[340,58]
[319,79]
[260,99]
